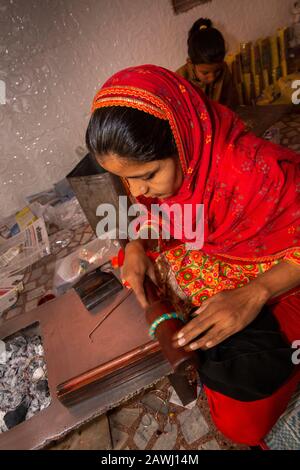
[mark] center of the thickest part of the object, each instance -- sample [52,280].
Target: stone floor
[289,127]
[150,420]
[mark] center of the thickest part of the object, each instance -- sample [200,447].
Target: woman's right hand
[136,266]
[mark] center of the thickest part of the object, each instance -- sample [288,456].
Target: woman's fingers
[136,282]
[194,328]
[136,266]
[203,307]
[151,273]
[213,337]
[141,297]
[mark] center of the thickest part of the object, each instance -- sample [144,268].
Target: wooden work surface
[65,326]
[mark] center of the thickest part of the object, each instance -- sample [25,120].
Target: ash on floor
[23,380]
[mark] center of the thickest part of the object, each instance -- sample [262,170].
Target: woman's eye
[149,177]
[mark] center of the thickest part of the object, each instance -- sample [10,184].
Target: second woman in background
[205,66]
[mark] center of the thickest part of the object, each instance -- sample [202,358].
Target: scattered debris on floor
[23,380]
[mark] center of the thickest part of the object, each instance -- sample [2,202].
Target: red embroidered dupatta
[250,188]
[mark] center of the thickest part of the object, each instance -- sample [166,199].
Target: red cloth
[249,422]
[250,188]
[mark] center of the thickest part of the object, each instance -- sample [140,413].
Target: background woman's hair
[205,45]
[129,133]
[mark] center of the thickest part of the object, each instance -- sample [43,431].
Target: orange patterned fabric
[294,257]
[201,276]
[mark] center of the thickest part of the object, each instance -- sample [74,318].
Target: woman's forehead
[127,167]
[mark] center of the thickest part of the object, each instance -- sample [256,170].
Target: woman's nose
[138,188]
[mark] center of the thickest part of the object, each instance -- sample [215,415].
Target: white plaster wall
[54,55]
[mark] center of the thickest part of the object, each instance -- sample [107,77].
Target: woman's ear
[188,60]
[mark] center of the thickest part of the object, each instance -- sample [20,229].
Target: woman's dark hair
[206,45]
[129,133]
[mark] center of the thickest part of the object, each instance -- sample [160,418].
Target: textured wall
[54,54]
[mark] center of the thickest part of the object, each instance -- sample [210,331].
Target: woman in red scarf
[173,145]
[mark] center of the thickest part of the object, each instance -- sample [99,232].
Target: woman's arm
[279,279]
[231,311]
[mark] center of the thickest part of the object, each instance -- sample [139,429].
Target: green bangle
[162,318]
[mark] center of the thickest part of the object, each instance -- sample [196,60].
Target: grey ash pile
[23,380]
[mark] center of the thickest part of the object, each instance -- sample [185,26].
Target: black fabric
[251,364]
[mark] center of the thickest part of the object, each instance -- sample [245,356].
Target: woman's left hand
[221,316]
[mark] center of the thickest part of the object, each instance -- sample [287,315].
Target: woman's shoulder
[183,71]
[186,71]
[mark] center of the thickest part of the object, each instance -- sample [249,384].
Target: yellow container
[274,51]
[266,61]
[256,69]
[283,47]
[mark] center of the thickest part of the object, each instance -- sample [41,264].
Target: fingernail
[209,344]
[193,346]
[181,341]
[179,335]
